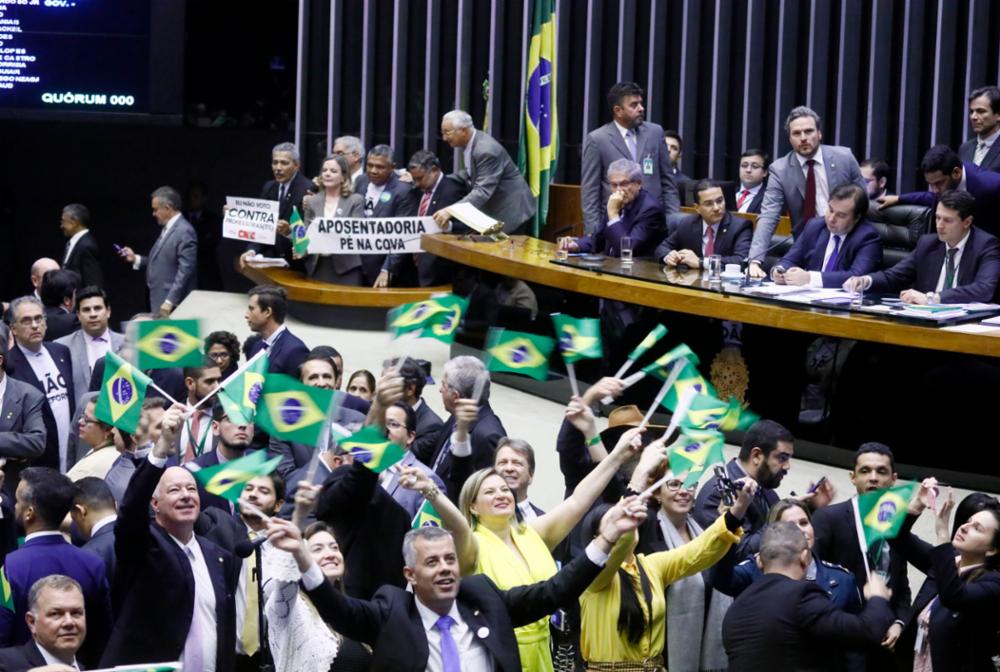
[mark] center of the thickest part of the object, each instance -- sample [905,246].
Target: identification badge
[647,166]
[386,196]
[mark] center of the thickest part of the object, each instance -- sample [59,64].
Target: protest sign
[250,219]
[375,235]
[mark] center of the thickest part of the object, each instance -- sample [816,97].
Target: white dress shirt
[527,510]
[958,262]
[72,243]
[273,338]
[52,660]
[983,146]
[202,635]
[816,277]
[819,171]
[752,194]
[474,655]
[705,226]
[102,523]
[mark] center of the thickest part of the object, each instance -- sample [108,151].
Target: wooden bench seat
[306,290]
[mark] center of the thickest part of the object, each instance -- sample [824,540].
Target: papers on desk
[474,218]
[798,294]
[992,322]
[258,260]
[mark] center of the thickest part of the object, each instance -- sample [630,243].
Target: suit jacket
[984,185]
[102,545]
[732,238]
[391,624]
[786,191]
[643,220]
[297,189]
[85,259]
[22,429]
[77,344]
[756,202]
[484,435]
[978,270]
[59,323]
[603,146]
[314,206]
[18,367]
[21,658]
[154,581]
[779,624]
[369,526]
[495,184]
[172,264]
[429,424]
[395,201]
[964,619]
[285,356]
[837,541]
[51,554]
[706,510]
[430,269]
[990,162]
[860,251]
[411,500]
[296,455]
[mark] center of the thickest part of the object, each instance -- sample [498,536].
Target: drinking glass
[625,243]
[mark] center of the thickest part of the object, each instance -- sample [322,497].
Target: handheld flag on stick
[695,451]
[664,389]
[119,401]
[651,338]
[707,412]
[243,385]
[6,593]
[438,317]
[291,410]
[579,338]
[227,480]
[165,344]
[427,517]
[689,378]
[518,352]
[234,411]
[370,447]
[300,241]
[882,512]
[661,367]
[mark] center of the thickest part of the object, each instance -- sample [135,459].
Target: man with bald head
[173,590]
[38,271]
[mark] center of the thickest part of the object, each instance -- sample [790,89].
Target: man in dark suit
[175,588]
[467,440]
[172,264]
[800,182]
[385,196]
[765,456]
[959,264]
[93,339]
[232,440]
[675,150]
[58,292]
[944,171]
[711,231]
[82,253]
[44,497]
[753,180]
[215,253]
[22,429]
[48,367]
[783,623]
[95,512]
[627,136]
[429,423]
[833,248]
[447,622]
[58,624]
[265,316]
[984,118]
[837,541]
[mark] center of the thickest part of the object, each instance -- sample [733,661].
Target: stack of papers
[258,260]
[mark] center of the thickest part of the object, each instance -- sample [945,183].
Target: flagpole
[477,390]
[219,386]
[863,545]
[323,442]
[571,374]
[681,411]
[161,391]
[626,383]
[675,372]
[250,508]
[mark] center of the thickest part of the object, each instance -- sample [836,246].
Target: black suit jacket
[391,624]
[484,435]
[298,187]
[85,259]
[155,586]
[758,200]
[18,367]
[102,545]
[643,220]
[837,542]
[990,162]
[21,658]
[779,624]
[59,323]
[732,238]
[429,424]
[22,430]
[706,510]
[285,356]
[369,526]
[396,201]
[430,269]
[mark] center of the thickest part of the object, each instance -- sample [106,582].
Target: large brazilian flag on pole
[538,150]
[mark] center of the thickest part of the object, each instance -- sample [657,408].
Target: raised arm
[466,544]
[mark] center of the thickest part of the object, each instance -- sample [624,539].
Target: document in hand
[474,218]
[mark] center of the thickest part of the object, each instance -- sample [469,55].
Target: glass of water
[625,244]
[858,298]
[713,263]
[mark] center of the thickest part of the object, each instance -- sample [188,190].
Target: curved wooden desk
[529,259]
[306,290]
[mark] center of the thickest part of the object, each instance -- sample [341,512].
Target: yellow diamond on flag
[293,410]
[883,515]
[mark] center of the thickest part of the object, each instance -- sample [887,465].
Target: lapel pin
[483,632]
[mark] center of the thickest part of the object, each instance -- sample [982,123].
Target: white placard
[251,219]
[374,235]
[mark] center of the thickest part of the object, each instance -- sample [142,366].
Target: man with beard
[232,437]
[765,456]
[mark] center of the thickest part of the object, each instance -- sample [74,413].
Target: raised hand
[623,517]
[744,498]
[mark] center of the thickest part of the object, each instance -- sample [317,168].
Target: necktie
[450,662]
[809,204]
[250,637]
[630,142]
[831,263]
[425,201]
[710,241]
[742,198]
[191,452]
[949,271]
[980,154]
[281,192]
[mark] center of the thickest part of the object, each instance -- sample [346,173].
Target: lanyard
[200,445]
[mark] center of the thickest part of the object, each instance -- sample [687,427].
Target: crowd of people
[126,559]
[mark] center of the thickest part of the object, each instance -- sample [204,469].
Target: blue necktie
[831,263]
[450,662]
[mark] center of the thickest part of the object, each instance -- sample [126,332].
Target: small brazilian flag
[6,594]
[690,378]
[662,365]
[708,412]
[427,517]
[518,352]
[695,451]
[437,317]
[882,512]
[165,344]
[658,332]
[236,413]
[291,410]
[300,241]
[119,401]
[370,447]
[579,337]
[245,388]
[227,480]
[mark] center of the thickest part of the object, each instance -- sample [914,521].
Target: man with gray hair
[172,262]
[469,437]
[351,148]
[496,187]
[801,182]
[58,624]
[784,622]
[82,253]
[22,433]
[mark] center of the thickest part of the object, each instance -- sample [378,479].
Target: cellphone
[817,485]
[118,248]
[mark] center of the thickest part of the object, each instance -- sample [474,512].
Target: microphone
[245,548]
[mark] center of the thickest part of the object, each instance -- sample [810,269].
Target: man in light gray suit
[495,185]
[93,339]
[801,182]
[626,137]
[171,264]
[22,427]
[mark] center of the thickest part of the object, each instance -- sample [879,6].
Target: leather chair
[899,227]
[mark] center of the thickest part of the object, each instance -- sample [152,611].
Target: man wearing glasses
[22,433]
[753,180]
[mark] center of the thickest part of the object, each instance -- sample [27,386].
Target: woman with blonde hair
[337,199]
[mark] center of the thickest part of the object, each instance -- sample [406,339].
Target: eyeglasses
[751,166]
[29,320]
[674,485]
[392,424]
[87,420]
[216,356]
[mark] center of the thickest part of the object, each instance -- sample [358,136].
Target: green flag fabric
[662,365]
[695,451]
[658,332]
[293,411]
[122,391]
[437,317]
[708,412]
[579,337]
[689,378]
[370,447]
[245,388]
[882,512]
[427,516]
[297,230]
[519,352]
[236,413]
[6,593]
[165,344]
[227,480]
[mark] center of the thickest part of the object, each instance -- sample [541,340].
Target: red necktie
[809,205]
[743,197]
[710,243]
[425,201]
